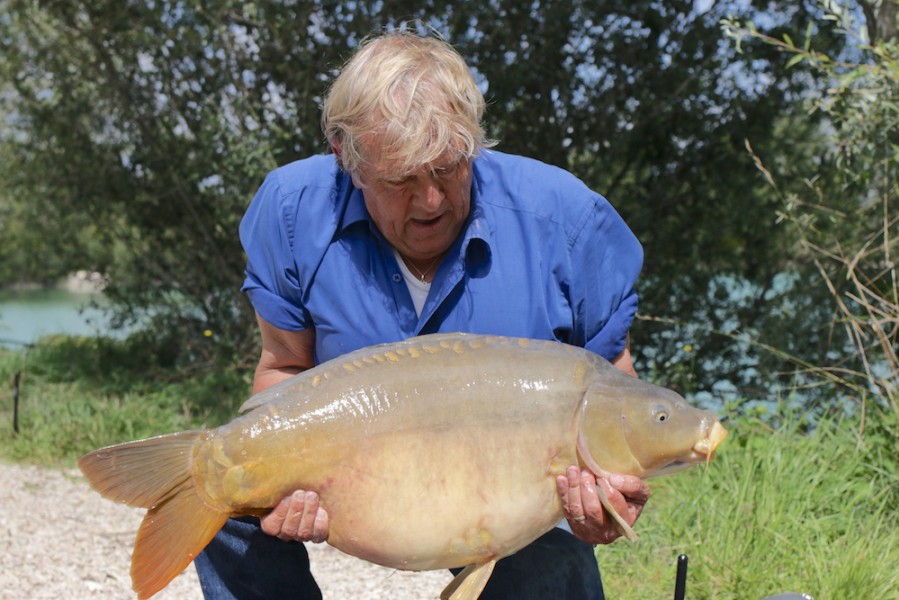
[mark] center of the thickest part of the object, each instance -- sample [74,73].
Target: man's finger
[575,507]
[306,520]
[320,526]
[592,506]
[273,521]
[633,488]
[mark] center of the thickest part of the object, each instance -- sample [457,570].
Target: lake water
[26,315]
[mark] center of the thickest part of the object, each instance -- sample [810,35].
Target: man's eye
[445,171]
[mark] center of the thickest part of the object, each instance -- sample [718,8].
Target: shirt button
[397,278]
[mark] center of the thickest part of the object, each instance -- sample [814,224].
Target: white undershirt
[418,289]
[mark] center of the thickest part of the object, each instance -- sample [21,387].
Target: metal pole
[15,401]
[680,585]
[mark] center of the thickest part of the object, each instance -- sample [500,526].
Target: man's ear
[335,148]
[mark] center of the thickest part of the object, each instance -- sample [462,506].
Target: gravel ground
[59,539]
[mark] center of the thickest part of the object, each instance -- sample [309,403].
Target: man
[413,226]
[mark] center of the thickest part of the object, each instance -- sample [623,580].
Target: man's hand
[588,520]
[297,518]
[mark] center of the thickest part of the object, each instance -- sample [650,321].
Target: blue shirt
[540,256]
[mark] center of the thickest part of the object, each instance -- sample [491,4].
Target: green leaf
[798,58]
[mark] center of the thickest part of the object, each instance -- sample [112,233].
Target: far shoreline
[79,282]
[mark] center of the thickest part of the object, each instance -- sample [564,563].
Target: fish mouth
[700,452]
[706,447]
[674,467]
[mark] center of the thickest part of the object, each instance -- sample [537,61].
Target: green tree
[648,105]
[138,131]
[844,220]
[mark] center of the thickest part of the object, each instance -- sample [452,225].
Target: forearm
[284,354]
[625,362]
[266,377]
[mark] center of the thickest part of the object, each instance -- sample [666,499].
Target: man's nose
[429,194]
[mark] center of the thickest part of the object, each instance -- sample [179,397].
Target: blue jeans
[243,563]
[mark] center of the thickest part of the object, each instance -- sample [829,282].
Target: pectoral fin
[469,583]
[626,529]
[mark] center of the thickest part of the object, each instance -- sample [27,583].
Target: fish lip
[712,440]
[717,435]
[706,447]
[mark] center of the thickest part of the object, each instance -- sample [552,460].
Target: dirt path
[59,539]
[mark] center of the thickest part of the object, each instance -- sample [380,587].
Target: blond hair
[415,93]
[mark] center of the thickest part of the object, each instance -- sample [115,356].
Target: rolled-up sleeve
[267,235]
[606,260]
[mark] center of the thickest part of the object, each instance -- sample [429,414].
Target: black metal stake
[680,584]
[15,402]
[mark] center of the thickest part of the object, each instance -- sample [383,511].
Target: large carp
[440,451]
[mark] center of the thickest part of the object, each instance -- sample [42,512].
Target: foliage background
[757,171]
[135,134]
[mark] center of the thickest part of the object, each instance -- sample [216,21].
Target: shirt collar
[355,211]
[478,235]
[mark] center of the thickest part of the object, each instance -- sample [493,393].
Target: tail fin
[155,474]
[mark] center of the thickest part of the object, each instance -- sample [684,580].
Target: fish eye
[660,414]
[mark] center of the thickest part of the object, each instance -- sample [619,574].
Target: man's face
[420,212]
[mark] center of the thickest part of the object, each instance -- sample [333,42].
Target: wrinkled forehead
[389,159]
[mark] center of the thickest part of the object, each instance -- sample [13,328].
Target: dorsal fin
[372,355]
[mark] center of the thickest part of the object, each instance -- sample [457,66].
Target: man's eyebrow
[447,165]
[396,177]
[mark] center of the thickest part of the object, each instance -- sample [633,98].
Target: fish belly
[437,499]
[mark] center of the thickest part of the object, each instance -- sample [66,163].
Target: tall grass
[795,508]
[79,393]
[778,510]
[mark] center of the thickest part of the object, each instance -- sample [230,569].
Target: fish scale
[437,452]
